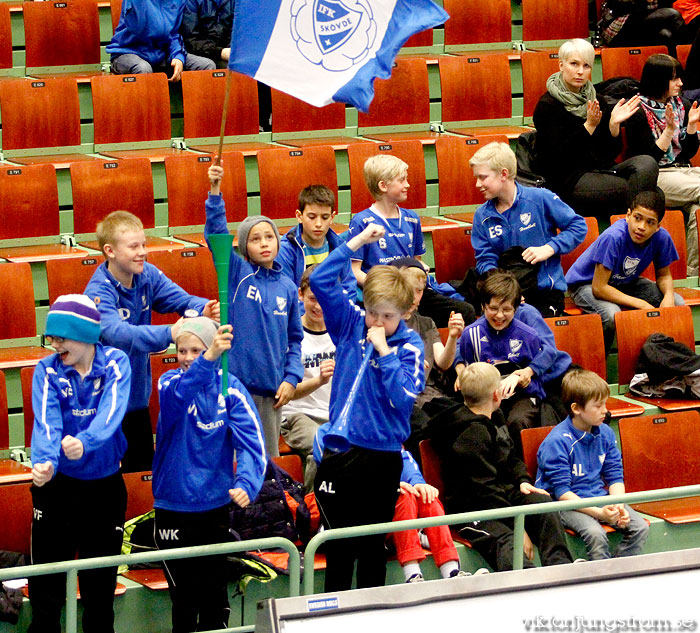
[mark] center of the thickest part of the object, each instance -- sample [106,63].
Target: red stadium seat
[581,337]
[5,37]
[476,94]
[70,275]
[633,327]
[17,308]
[627,62]
[537,68]
[400,103]
[285,172]
[568,259]
[190,268]
[76,21]
[160,363]
[660,451]
[474,22]
[28,192]
[294,121]
[188,187]
[554,20]
[41,114]
[202,90]
[453,252]
[129,109]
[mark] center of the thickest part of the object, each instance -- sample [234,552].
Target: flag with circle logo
[325,51]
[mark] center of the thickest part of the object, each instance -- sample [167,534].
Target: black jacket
[479,467]
[206,27]
[565,149]
[640,140]
[663,358]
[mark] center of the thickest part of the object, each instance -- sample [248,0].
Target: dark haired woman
[665,128]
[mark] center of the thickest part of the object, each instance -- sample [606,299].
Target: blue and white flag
[323,51]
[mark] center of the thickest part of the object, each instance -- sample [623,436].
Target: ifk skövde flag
[322,51]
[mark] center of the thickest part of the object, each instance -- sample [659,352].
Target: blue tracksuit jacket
[151,30]
[518,343]
[533,220]
[197,435]
[264,312]
[90,409]
[126,319]
[291,258]
[379,418]
[570,460]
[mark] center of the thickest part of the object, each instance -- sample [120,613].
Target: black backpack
[526,157]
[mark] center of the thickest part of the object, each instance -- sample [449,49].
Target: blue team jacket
[379,418]
[151,30]
[90,409]
[570,460]
[518,343]
[198,432]
[291,258]
[126,319]
[546,366]
[533,220]
[264,312]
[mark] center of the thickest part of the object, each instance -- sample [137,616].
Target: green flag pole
[221,245]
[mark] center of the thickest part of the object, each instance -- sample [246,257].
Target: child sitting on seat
[579,458]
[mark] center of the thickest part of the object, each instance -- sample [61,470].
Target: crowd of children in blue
[90,398]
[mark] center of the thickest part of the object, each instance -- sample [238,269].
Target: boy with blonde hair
[527,217]
[481,471]
[125,288]
[386,177]
[363,438]
[266,351]
[579,459]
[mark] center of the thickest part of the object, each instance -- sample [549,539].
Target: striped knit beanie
[74,317]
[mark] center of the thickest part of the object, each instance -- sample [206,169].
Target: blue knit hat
[74,317]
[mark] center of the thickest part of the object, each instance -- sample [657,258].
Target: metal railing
[72,567]
[518,513]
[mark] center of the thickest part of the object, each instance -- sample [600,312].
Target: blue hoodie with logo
[264,313]
[90,409]
[125,319]
[380,416]
[570,460]
[198,432]
[533,220]
[151,30]
[518,343]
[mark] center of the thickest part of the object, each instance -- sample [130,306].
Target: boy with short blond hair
[481,471]
[125,289]
[579,459]
[363,439]
[607,276]
[386,177]
[528,217]
[313,239]
[267,333]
